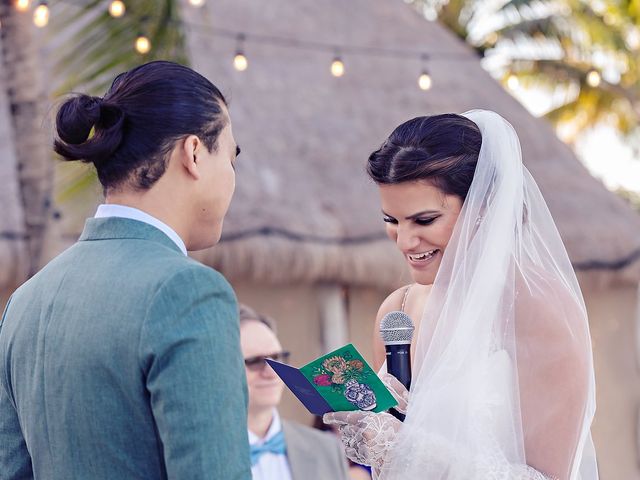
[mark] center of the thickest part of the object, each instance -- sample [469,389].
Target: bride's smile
[420,218]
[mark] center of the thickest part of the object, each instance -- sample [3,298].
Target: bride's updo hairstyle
[129,133]
[440,149]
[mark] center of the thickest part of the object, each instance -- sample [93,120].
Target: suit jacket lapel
[302,461]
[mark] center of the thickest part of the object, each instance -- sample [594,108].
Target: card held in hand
[338,381]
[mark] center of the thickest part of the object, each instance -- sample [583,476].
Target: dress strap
[404,298]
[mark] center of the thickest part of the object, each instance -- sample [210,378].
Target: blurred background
[314,87]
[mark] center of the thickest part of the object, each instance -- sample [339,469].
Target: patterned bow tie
[274,445]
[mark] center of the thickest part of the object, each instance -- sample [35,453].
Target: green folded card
[342,379]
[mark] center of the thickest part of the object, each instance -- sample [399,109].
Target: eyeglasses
[257,363]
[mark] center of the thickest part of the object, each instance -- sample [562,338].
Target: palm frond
[551,43]
[103,46]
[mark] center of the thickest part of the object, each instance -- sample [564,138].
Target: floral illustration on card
[346,375]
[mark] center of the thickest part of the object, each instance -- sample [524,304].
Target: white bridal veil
[503,385]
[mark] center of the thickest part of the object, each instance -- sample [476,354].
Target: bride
[503,385]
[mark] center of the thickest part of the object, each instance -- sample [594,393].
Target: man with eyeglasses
[280,450]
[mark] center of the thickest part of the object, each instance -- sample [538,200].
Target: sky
[608,158]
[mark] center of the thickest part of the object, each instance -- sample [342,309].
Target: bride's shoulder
[405,297]
[393,301]
[552,322]
[412,297]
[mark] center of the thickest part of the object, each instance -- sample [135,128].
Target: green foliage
[555,44]
[632,197]
[100,46]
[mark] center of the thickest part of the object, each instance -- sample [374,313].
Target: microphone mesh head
[396,328]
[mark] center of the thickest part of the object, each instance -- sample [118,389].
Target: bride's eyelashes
[419,221]
[425,221]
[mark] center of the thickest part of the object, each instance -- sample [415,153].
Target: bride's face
[420,219]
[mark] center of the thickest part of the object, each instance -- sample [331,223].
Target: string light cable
[337,68]
[340,53]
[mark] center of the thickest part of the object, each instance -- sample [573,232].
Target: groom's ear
[188,150]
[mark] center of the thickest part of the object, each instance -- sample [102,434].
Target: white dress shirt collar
[122,211]
[270,466]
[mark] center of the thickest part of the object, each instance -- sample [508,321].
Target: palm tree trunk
[27,102]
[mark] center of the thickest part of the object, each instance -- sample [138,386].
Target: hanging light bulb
[424,81]
[41,14]
[143,45]
[117,8]
[22,5]
[337,67]
[196,3]
[240,61]
[593,78]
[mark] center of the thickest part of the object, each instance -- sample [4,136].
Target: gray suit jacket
[121,360]
[314,455]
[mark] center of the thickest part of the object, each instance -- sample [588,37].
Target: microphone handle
[397,414]
[399,365]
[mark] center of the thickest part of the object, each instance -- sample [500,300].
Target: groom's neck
[260,421]
[154,204]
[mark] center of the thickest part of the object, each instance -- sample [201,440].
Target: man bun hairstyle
[75,121]
[129,133]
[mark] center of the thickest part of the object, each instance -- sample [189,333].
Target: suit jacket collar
[303,460]
[110,228]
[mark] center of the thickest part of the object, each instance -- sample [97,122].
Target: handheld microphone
[396,330]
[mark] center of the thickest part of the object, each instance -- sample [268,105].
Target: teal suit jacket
[121,360]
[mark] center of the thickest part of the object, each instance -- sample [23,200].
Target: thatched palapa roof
[304,210]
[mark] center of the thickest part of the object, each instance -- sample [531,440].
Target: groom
[121,358]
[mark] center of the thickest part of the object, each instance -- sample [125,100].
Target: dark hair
[249,314]
[129,133]
[442,149]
